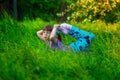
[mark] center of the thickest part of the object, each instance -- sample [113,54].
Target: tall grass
[24,57]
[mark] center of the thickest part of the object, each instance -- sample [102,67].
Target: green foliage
[90,10]
[46,9]
[24,57]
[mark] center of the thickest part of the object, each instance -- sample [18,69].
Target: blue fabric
[79,33]
[83,37]
[57,32]
[79,45]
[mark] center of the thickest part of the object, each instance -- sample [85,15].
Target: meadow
[23,56]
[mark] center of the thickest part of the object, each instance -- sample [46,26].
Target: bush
[107,10]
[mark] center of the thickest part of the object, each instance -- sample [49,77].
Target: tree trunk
[15,9]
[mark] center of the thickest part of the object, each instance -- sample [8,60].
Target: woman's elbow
[52,38]
[37,33]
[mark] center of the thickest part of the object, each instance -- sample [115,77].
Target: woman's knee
[92,36]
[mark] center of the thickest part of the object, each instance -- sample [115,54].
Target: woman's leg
[79,45]
[78,33]
[83,37]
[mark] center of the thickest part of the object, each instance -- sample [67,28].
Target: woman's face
[46,34]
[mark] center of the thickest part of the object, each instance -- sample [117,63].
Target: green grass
[24,57]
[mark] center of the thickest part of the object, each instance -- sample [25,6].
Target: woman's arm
[65,28]
[53,33]
[39,34]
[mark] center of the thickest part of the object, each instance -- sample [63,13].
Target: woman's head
[48,28]
[47,31]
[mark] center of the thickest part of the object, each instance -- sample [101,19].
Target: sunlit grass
[24,57]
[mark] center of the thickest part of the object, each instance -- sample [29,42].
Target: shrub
[108,10]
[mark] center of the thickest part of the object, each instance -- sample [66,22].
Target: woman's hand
[53,33]
[40,34]
[56,26]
